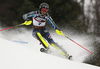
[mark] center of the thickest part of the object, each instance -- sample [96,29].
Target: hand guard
[59,32]
[27,22]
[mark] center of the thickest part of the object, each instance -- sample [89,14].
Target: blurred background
[81,16]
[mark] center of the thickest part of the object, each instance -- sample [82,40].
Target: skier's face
[43,11]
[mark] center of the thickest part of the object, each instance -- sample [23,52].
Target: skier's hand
[59,32]
[27,22]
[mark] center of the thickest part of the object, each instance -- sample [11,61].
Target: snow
[15,55]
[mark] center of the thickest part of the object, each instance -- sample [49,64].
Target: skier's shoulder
[47,15]
[33,12]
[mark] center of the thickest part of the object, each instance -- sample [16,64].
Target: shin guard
[41,39]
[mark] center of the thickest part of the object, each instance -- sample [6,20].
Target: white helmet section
[44,5]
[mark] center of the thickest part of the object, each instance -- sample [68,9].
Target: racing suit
[39,30]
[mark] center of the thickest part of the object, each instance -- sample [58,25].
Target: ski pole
[25,23]
[60,33]
[20,41]
[79,45]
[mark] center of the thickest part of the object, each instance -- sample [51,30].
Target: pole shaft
[78,44]
[6,28]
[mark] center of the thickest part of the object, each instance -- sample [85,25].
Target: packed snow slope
[78,53]
[17,56]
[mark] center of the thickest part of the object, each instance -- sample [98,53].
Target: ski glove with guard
[59,32]
[27,22]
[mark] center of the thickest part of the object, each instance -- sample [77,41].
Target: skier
[40,32]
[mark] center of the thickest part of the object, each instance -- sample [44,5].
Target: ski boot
[68,56]
[48,50]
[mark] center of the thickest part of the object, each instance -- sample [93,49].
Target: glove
[27,22]
[59,32]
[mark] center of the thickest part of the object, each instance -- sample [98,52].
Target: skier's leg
[58,47]
[44,43]
[47,36]
[38,36]
[41,39]
[63,51]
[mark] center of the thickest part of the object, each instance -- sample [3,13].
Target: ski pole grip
[59,32]
[27,22]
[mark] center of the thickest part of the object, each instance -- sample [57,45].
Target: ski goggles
[43,9]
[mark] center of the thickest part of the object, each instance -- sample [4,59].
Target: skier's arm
[58,31]
[50,20]
[28,15]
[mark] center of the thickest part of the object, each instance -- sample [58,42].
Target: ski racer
[40,32]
